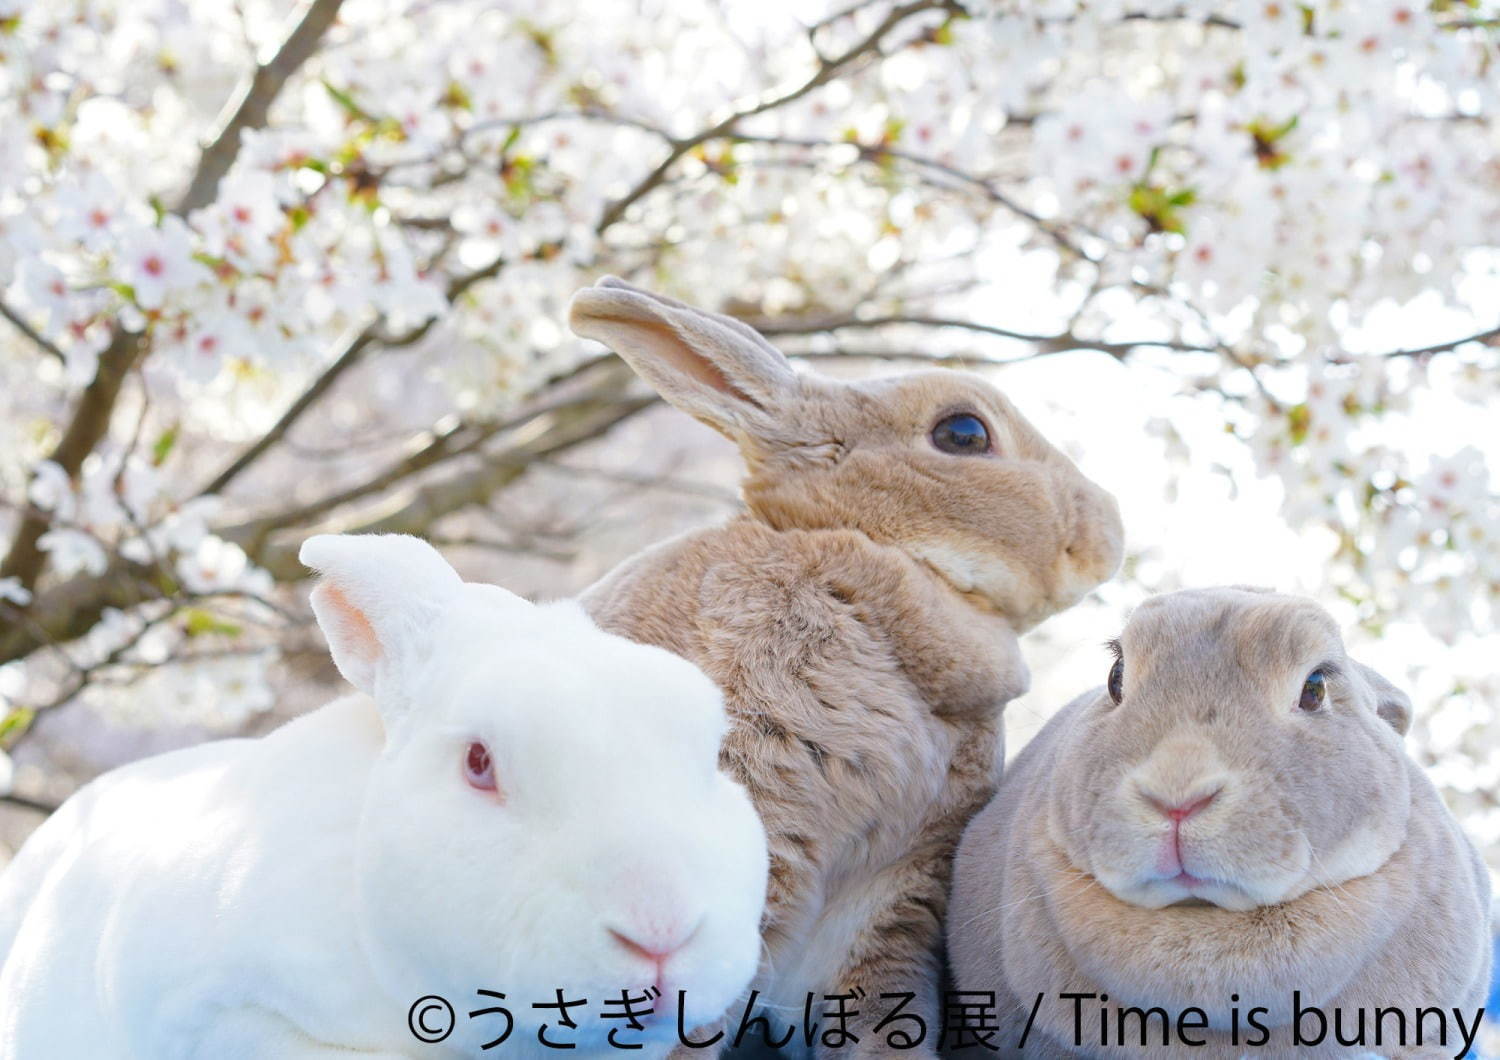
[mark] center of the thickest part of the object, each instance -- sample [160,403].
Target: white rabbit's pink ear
[377,602]
[713,367]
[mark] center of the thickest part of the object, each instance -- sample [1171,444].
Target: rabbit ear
[1392,704]
[715,368]
[377,602]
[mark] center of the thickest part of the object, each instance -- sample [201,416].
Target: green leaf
[197,623]
[1299,419]
[14,725]
[162,447]
[345,100]
[456,96]
[1159,206]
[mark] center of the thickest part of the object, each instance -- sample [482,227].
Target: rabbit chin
[989,577]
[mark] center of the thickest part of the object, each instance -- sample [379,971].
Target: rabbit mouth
[1183,891]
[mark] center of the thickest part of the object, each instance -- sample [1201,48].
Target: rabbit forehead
[551,671]
[1246,631]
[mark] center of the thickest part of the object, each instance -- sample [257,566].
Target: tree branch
[91,417]
[40,340]
[461,438]
[1419,352]
[354,348]
[353,351]
[1061,342]
[72,608]
[250,105]
[559,430]
[35,805]
[987,188]
[88,424]
[828,69]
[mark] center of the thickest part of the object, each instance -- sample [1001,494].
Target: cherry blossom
[343,307]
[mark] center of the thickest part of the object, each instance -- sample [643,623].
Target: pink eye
[478,769]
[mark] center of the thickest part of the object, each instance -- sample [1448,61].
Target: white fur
[291,896]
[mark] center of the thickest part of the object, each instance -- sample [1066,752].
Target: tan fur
[1340,872]
[862,618]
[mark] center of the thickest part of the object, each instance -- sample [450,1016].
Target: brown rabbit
[862,616]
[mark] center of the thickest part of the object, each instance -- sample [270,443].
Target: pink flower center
[154,266]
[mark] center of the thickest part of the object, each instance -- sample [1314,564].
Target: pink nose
[656,947]
[1183,811]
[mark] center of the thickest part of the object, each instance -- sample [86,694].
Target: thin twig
[35,805]
[45,344]
[354,348]
[828,69]
[1060,342]
[987,188]
[1445,347]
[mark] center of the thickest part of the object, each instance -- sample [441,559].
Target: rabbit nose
[656,946]
[1181,811]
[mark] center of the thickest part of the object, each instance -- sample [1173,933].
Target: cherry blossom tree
[269,266]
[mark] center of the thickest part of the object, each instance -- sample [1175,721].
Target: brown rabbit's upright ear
[715,368]
[1392,704]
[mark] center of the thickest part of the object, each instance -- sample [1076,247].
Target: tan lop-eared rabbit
[862,617]
[1232,822]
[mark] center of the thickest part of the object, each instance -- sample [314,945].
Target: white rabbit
[517,802]
[1231,824]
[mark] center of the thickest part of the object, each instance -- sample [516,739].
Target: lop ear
[377,602]
[1391,704]
[715,368]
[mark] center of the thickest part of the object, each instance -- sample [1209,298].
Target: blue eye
[1314,692]
[962,434]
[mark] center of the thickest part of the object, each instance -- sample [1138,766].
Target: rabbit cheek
[1359,825]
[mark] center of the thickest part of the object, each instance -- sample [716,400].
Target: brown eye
[1117,680]
[479,770]
[962,434]
[1314,692]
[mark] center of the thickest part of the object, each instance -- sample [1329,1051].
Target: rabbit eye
[479,770]
[1314,692]
[1116,683]
[962,434]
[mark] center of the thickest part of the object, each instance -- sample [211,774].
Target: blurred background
[268,268]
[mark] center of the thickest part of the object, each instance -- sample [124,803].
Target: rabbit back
[218,871]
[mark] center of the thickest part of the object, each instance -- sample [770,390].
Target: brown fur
[862,618]
[1342,874]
